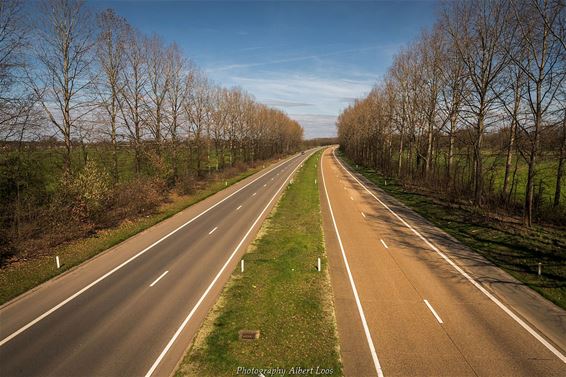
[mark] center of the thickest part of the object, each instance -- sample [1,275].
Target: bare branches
[64,36]
[486,84]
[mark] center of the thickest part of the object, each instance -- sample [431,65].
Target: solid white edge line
[212,231]
[78,293]
[159,278]
[199,302]
[371,346]
[384,244]
[433,311]
[509,312]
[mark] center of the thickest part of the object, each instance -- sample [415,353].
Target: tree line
[91,107]
[474,109]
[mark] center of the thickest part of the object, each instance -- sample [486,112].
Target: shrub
[139,196]
[84,195]
[185,185]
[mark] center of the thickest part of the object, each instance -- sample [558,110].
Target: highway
[411,301]
[133,310]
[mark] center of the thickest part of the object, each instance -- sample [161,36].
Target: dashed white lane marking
[212,231]
[238,208]
[84,289]
[254,193]
[159,278]
[433,311]
[384,244]
[508,311]
[364,215]
[369,339]
[351,198]
[199,302]
[265,185]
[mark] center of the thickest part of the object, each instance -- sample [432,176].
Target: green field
[494,173]
[281,293]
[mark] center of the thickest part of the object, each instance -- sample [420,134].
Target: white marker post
[242,265]
[225,183]
[315,181]
[539,269]
[59,263]
[318,265]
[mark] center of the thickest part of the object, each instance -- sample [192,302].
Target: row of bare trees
[478,99]
[95,77]
[83,89]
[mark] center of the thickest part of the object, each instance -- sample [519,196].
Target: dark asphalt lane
[121,325]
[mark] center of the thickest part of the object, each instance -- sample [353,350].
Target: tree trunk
[478,165]
[113,139]
[511,142]
[560,169]
[451,147]
[400,163]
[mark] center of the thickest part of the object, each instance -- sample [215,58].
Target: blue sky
[308,58]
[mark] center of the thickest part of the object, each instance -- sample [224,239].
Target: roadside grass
[25,274]
[280,293]
[507,244]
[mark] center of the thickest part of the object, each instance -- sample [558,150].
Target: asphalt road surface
[411,301]
[133,310]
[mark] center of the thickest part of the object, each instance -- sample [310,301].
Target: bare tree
[220,116]
[159,80]
[15,100]
[454,82]
[198,111]
[131,99]
[64,37]
[477,28]
[536,53]
[111,58]
[430,49]
[181,77]
[512,104]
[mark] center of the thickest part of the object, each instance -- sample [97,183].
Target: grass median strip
[24,275]
[281,294]
[510,246]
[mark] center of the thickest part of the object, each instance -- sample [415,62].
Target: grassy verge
[280,293]
[509,245]
[23,275]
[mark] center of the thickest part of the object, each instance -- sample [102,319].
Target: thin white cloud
[283,103]
[306,89]
[313,101]
[291,59]
[252,48]
[317,125]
